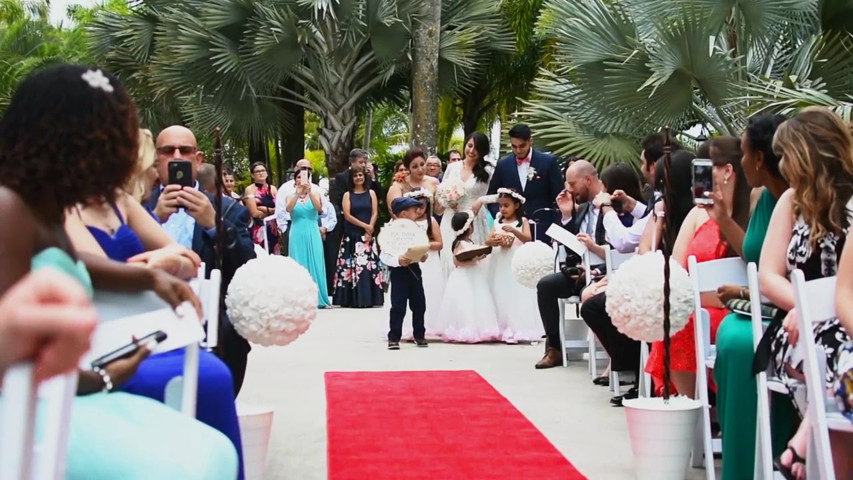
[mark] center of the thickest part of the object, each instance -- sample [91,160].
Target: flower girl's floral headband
[467,223]
[419,193]
[513,194]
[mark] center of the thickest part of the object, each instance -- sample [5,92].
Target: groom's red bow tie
[522,161]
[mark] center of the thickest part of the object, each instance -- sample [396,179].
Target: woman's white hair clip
[513,194]
[467,223]
[97,79]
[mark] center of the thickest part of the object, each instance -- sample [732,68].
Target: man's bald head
[174,144]
[582,181]
[303,163]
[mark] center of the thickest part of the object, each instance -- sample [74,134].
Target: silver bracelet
[108,382]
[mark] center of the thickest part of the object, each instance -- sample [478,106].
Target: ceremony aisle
[432,424]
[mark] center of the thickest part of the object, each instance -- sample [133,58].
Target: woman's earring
[726,181]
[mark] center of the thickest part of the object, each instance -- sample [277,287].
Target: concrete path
[568,409]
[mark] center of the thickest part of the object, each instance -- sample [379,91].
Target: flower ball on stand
[272,300]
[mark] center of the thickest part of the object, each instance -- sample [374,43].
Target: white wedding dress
[516,305]
[473,191]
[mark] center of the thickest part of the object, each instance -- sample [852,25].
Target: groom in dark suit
[534,174]
[189,217]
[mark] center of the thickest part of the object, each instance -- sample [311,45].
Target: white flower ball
[635,297]
[272,300]
[531,262]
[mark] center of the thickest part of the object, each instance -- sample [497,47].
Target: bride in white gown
[472,171]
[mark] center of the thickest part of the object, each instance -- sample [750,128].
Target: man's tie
[590,222]
[522,161]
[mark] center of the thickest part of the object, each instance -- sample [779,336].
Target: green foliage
[620,70]
[318,162]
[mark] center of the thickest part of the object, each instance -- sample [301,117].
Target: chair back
[763,444]
[209,291]
[21,457]
[815,302]
[614,258]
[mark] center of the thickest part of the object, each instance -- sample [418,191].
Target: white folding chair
[707,277]
[613,260]
[21,457]
[578,342]
[815,303]
[764,384]
[181,391]
[209,293]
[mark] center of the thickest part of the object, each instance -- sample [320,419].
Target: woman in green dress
[69,134]
[736,387]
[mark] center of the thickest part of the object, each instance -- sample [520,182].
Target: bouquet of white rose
[450,192]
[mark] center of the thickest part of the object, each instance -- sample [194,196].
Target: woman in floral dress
[358,280]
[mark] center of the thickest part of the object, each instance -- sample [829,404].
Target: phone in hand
[127,350]
[703,181]
[181,173]
[305,176]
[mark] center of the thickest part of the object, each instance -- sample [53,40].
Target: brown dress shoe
[553,358]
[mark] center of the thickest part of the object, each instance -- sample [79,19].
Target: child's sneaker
[393,345]
[421,342]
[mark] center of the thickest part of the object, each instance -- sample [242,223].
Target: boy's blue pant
[407,286]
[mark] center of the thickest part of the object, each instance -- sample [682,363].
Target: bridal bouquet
[450,192]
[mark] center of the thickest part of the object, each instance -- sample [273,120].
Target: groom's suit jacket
[540,191]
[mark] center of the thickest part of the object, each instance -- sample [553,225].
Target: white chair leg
[592,344]
[644,383]
[19,415]
[614,382]
[563,348]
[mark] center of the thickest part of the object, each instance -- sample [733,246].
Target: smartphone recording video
[703,181]
[305,176]
[180,173]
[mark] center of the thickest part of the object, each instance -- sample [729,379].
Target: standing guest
[400,172]
[415,179]
[533,174]
[306,244]
[407,285]
[433,167]
[93,127]
[207,179]
[259,198]
[189,217]
[228,183]
[453,156]
[358,281]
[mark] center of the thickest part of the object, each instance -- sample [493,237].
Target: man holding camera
[189,217]
[585,221]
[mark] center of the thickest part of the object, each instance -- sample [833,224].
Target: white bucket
[661,436]
[255,430]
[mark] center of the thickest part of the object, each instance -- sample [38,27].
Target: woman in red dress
[703,237]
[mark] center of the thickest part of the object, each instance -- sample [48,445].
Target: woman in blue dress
[306,245]
[69,133]
[125,241]
[358,279]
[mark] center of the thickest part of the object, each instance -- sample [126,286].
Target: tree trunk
[258,151]
[337,136]
[425,44]
[472,110]
[293,139]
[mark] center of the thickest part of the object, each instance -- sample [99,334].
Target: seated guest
[808,229]
[737,397]
[700,235]
[624,213]
[229,182]
[123,231]
[93,127]
[582,185]
[189,217]
[624,351]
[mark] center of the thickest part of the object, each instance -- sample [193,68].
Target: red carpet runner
[442,425]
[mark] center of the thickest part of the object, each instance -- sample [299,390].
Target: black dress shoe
[421,342]
[603,381]
[629,395]
[393,345]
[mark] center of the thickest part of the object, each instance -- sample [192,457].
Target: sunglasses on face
[170,149]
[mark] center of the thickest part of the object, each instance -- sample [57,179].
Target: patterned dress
[358,279]
[264,198]
[815,263]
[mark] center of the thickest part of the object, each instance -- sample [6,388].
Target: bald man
[188,215]
[581,186]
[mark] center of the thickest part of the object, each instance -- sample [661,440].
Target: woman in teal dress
[91,148]
[737,395]
[306,245]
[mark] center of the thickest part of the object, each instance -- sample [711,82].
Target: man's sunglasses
[170,149]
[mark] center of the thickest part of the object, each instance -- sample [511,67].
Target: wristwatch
[606,204]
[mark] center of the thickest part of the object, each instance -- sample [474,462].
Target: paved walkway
[568,409]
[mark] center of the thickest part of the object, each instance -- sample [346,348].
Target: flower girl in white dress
[431,269]
[515,304]
[467,313]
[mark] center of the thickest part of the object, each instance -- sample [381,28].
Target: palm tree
[622,69]
[238,64]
